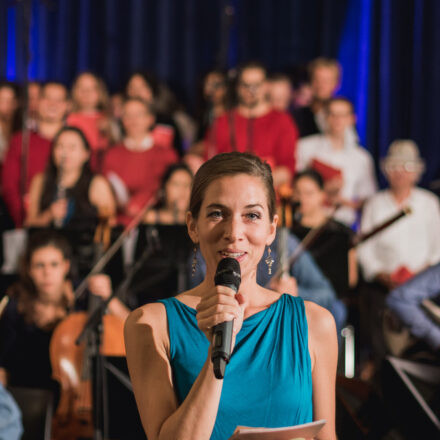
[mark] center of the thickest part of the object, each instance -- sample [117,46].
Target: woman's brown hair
[24,290]
[231,164]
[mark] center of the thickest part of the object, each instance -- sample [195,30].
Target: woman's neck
[69,178]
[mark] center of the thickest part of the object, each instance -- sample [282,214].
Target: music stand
[412,394]
[123,416]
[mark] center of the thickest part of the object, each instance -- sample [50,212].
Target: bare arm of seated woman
[37,218]
[101,285]
[101,196]
[323,348]
[147,347]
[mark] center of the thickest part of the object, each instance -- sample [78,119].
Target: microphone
[228,274]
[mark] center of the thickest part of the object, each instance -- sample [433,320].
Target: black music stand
[164,273]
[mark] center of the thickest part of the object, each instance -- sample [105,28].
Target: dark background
[389,50]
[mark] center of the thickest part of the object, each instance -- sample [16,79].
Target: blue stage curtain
[390,53]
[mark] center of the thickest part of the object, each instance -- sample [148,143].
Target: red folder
[327,171]
[401,275]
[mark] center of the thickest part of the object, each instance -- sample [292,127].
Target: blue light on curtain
[11,45]
[354,56]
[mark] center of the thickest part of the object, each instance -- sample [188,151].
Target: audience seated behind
[90,114]
[40,300]
[408,300]
[347,168]
[168,119]
[254,127]
[325,76]
[10,117]
[173,197]
[404,249]
[68,193]
[212,102]
[331,249]
[280,92]
[52,108]
[135,167]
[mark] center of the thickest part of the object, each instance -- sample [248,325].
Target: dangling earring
[269,261]
[194,261]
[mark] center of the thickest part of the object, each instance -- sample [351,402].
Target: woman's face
[136,119]
[137,87]
[86,92]
[178,190]
[69,152]
[214,88]
[233,222]
[309,194]
[8,102]
[48,270]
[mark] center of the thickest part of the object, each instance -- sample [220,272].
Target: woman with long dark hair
[41,299]
[68,193]
[173,199]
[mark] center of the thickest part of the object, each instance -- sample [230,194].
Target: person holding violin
[68,193]
[332,248]
[41,299]
[173,197]
[284,344]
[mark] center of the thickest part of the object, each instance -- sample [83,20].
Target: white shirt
[355,163]
[412,241]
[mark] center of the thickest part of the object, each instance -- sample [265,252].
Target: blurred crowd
[74,157]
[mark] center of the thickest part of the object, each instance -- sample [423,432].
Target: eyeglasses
[250,86]
[409,166]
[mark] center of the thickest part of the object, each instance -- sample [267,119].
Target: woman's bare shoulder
[319,320]
[153,314]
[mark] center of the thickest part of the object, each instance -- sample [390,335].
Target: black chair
[36,407]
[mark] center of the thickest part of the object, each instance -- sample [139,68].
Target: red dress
[139,171]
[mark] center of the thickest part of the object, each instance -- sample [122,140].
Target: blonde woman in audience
[135,166]
[68,193]
[90,114]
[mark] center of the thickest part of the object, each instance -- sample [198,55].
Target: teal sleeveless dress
[268,380]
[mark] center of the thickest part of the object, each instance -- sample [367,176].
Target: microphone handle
[221,347]
[221,343]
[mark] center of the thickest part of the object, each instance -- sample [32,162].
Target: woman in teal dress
[283,365]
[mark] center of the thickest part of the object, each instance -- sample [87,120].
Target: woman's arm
[101,196]
[101,285]
[150,372]
[147,348]
[34,216]
[323,347]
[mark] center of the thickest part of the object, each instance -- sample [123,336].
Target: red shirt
[39,153]
[140,171]
[272,137]
[89,124]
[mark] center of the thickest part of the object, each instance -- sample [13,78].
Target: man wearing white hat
[405,248]
[413,242]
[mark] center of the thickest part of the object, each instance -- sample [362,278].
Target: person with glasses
[407,247]
[253,126]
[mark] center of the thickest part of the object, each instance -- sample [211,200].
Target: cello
[71,363]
